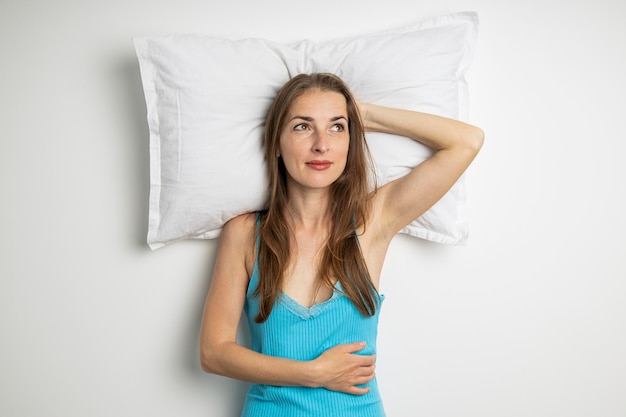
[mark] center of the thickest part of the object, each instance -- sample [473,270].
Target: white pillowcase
[207,99]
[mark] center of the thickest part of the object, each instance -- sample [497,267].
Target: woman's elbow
[209,359]
[475,139]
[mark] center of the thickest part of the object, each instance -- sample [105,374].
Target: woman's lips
[319,165]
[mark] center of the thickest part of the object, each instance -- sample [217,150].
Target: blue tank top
[297,332]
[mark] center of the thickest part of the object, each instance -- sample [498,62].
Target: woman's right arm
[338,369]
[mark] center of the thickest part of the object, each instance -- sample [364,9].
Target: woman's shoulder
[238,238]
[242,225]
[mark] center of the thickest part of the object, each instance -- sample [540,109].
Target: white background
[528,319]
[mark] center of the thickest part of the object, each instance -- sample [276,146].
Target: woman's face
[314,140]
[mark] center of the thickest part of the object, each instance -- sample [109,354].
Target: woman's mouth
[319,165]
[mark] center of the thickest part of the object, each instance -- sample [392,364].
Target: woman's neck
[309,210]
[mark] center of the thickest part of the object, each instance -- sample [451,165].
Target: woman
[306,271]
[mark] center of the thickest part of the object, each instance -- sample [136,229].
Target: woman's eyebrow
[310,119]
[305,118]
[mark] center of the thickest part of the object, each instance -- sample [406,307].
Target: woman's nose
[320,144]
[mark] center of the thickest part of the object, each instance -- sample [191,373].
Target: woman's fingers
[343,369]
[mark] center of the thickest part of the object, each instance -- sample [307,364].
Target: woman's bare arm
[455,143]
[337,369]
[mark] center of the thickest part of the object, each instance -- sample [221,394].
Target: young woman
[306,271]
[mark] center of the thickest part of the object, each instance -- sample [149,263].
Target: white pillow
[207,99]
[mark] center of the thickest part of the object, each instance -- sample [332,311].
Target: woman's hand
[340,368]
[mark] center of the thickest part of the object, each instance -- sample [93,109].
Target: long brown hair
[349,204]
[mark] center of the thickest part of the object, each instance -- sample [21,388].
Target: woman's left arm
[455,143]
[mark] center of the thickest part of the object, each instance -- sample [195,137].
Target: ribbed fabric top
[297,332]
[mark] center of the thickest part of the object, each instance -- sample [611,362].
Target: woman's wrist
[363,113]
[369,117]
[375,118]
[310,374]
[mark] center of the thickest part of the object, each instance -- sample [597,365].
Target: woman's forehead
[319,103]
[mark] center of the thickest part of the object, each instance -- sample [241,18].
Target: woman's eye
[300,126]
[338,127]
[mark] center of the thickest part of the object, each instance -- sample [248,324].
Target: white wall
[529,319]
